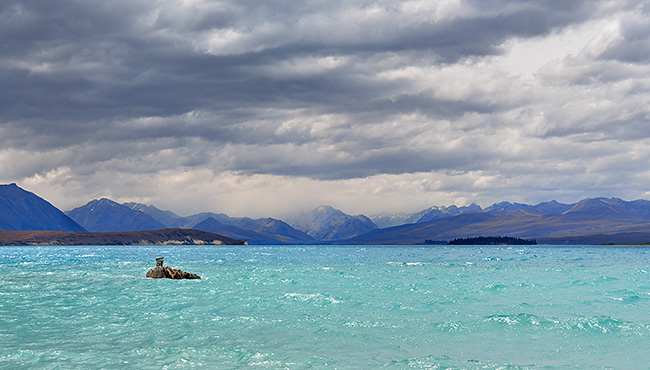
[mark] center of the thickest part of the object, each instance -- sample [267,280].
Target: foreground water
[326,307]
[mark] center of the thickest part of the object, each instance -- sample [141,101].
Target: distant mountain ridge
[327,224]
[166,218]
[253,237]
[23,210]
[105,215]
[611,208]
[438,213]
[544,208]
[595,216]
[255,231]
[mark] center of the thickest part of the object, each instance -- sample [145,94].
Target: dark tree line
[492,240]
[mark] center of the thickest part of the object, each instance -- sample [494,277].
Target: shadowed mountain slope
[22,210]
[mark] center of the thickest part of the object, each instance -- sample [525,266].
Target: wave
[447,362]
[593,325]
[317,297]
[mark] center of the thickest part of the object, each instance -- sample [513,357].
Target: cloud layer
[262,108]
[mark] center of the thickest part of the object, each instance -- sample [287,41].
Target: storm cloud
[261,108]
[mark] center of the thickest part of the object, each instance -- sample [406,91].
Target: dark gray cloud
[326,91]
[81,61]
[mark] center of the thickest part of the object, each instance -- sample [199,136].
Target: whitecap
[311,296]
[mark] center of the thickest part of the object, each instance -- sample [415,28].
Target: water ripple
[325,307]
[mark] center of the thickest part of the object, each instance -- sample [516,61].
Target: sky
[265,108]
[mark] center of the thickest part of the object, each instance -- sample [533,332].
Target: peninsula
[153,237]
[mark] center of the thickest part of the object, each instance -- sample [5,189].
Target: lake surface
[321,307]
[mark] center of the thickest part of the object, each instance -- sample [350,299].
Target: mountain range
[592,221]
[598,220]
[255,231]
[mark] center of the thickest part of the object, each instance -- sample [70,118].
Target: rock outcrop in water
[167,272]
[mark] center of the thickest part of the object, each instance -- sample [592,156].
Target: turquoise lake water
[321,307]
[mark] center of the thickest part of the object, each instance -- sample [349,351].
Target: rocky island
[160,272]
